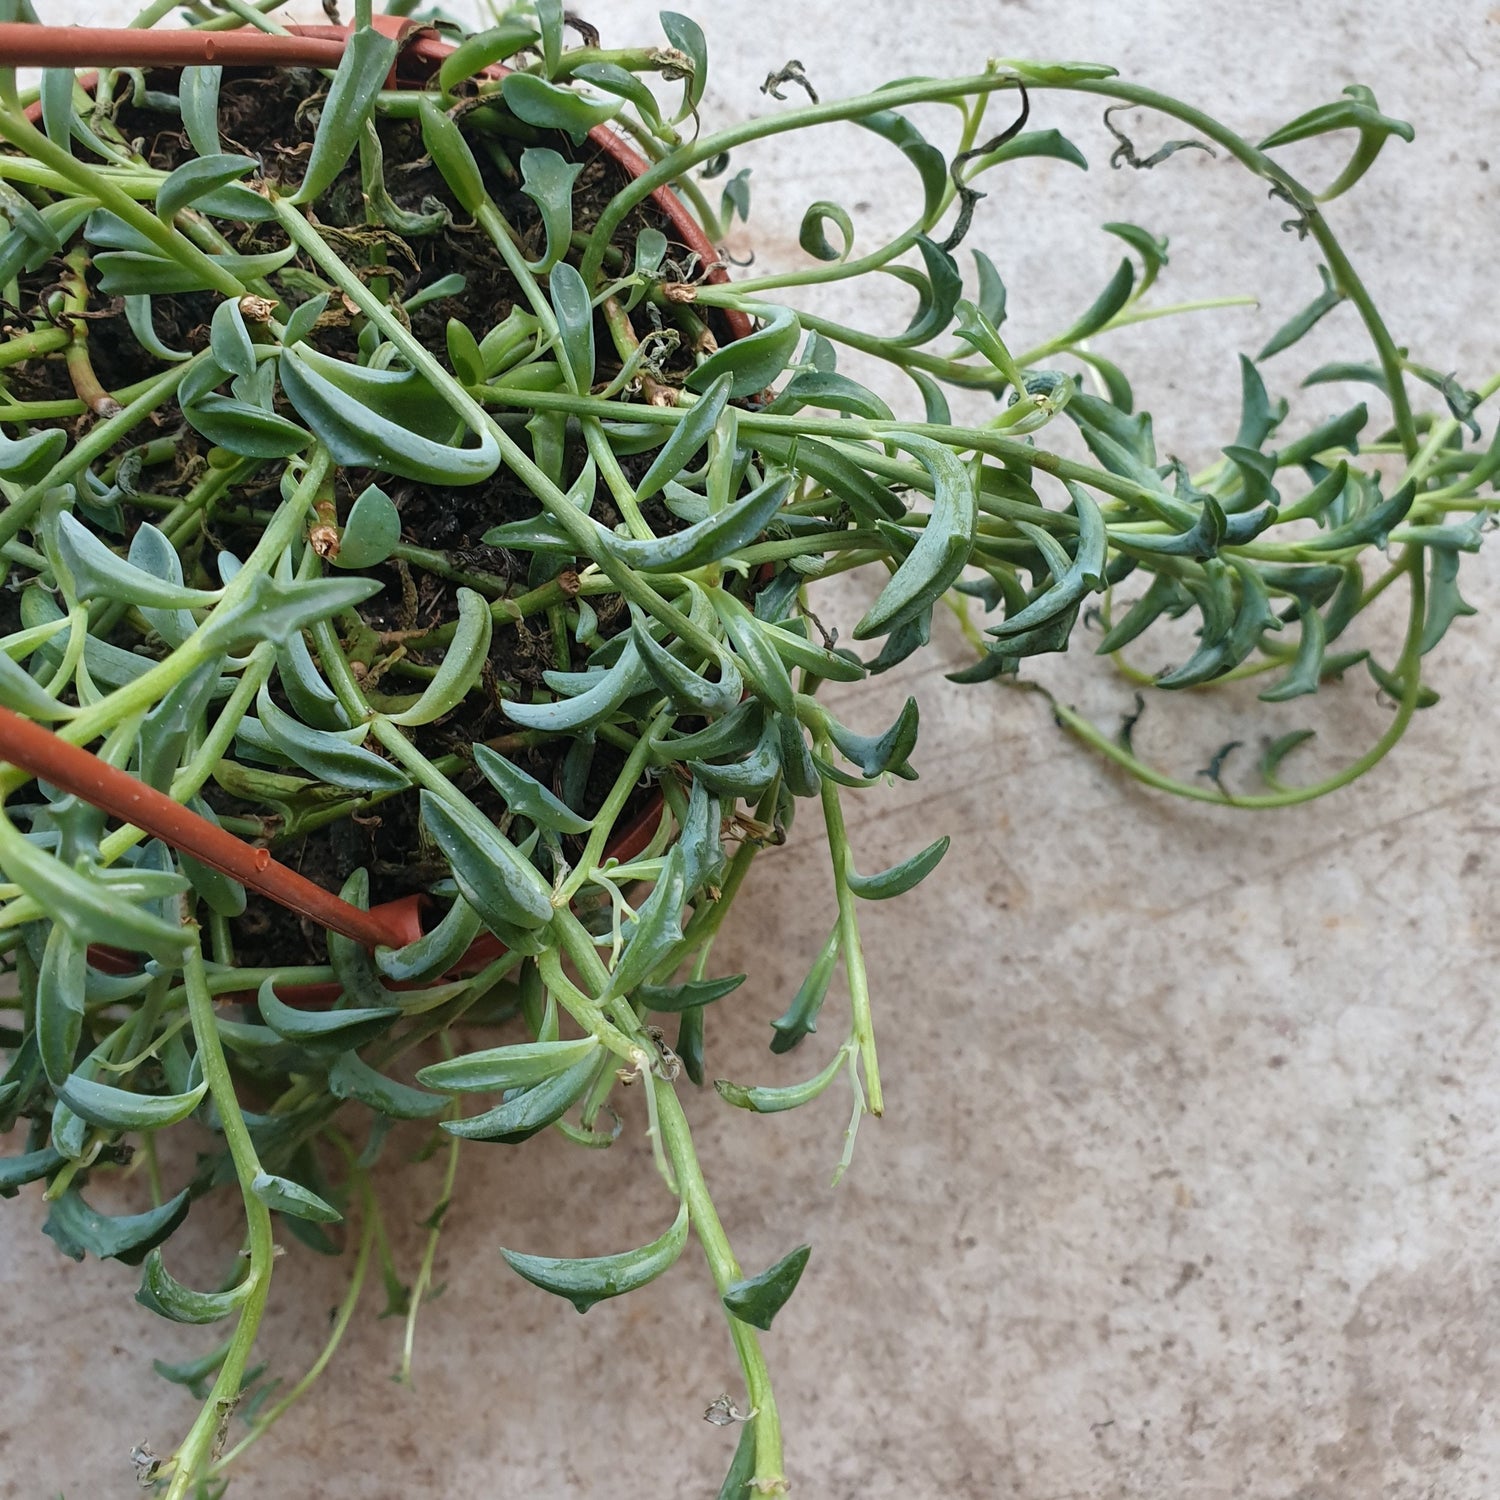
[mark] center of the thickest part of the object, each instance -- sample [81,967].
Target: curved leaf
[549,106]
[349,1078]
[899,879]
[526,797]
[547,179]
[938,558]
[362,72]
[287,1197]
[528,1111]
[165,1295]
[495,880]
[324,753]
[343,1029]
[757,1299]
[346,406]
[754,361]
[461,666]
[193,179]
[518,1066]
[710,540]
[120,1109]
[587,1281]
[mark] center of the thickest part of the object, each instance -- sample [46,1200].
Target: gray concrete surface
[1187,1184]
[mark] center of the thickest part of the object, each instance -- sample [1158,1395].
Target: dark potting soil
[273,116]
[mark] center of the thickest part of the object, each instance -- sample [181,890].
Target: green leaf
[757,1299]
[772,1101]
[549,106]
[229,339]
[27,460]
[349,1078]
[326,754]
[287,1197]
[587,1281]
[754,361]
[921,153]
[1072,578]
[246,430]
[198,99]
[361,74]
[1151,249]
[274,610]
[435,952]
[757,655]
[461,666]
[877,754]
[1357,111]
[120,1109]
[371,532]
[59,1002]
[614,79]
[575,319]
[189,182]
[1048,143]
[130,273]
[17,1171]
[713,539]
[741,1467]
[451,155]
[686,35]
[797,651]
[23,694]
[518,1066]
[482,50]
[526,797]
[692,693]
[1372,525]
[494,879]
[899,879]
[669,999]
[528,1111]
[938,558]
[99,573]
[464,354]
[813,235]
[77,1229]
[549,16]
[57,106]
[340,1029]
[688,436]
[547,179]
[1114,296]
[304,319]
[165,1295]
[91,910]
[801,1016]
[1306,671]
[626,678]
[1294,328]
[354,411]
[938,292]
[749,777]
[655,931]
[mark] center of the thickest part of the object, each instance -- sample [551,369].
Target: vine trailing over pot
[396,488]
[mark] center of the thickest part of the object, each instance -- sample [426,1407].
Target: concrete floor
[1187,1183]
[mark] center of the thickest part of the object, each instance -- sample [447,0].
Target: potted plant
[402,500]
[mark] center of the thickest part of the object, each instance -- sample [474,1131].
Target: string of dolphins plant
[203,564]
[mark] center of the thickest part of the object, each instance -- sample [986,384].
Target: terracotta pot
[38,750]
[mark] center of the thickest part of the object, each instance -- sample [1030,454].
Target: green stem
[226,1389]
[854,957]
